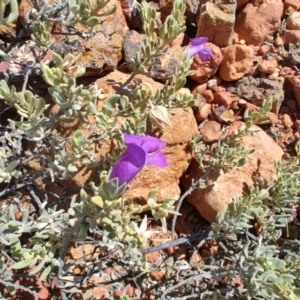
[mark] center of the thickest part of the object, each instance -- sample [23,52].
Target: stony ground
[256,55]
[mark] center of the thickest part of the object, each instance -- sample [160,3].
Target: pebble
[223,98]
[211,131]
[268,66]
[297,124]
[286,121]
[293,21]
[208,95]
[202,113]
[273,118]
[199,88]
[295,4]
[157,275]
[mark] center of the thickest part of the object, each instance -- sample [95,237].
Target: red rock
[199,88]
[258,19]
[274,75]
[235,38]
[263,49]
[234,127]
[206,69]
[273,118]
[291,104]
[208,95]
[202,113]
[130,291]
[152,256]
[297,125]
[157,275]
[240,3]
[117,293]
[210,201]
[219,89]
[293,21]
[216,21]
[278,41]
[237,61]
[106,44]
[293,3]
[251,107]
[286,121]
[211,131]
[234,105]
[291,36]
[294,80]
[268,66]
[286,71]
[223,98]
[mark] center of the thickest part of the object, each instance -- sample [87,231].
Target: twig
[197,236]
[183,282]
[7,191]
[189,191]
[26,80]
[33,192]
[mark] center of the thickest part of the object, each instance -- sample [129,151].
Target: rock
[237,61]
[131,46]
[132,15]
[201,114]
[291,36]
[157,275]
[199,88]
[97,292]
[211,131]
[166,180]
[206,69]
[268,66]
[258,19]
[166,64]
[294,81]
[240,4]
[192,6]
[255,90]
[177,137]
[273,118]
[286,121]
[23,60]
[216,21]
[223,98]
[274,75]
[264,49]
[293,21]
[106,43]
[295,4]
[278,41]
[208,96]
[210,201]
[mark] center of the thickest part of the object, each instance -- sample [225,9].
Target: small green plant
[36,233]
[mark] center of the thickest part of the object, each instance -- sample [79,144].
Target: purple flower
[141,151]
[197,47]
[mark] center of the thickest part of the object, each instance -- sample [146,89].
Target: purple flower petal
[199,41]
[148,143]
[157,159]
[197,47]
[130,164]
[141,150]
[205,54]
